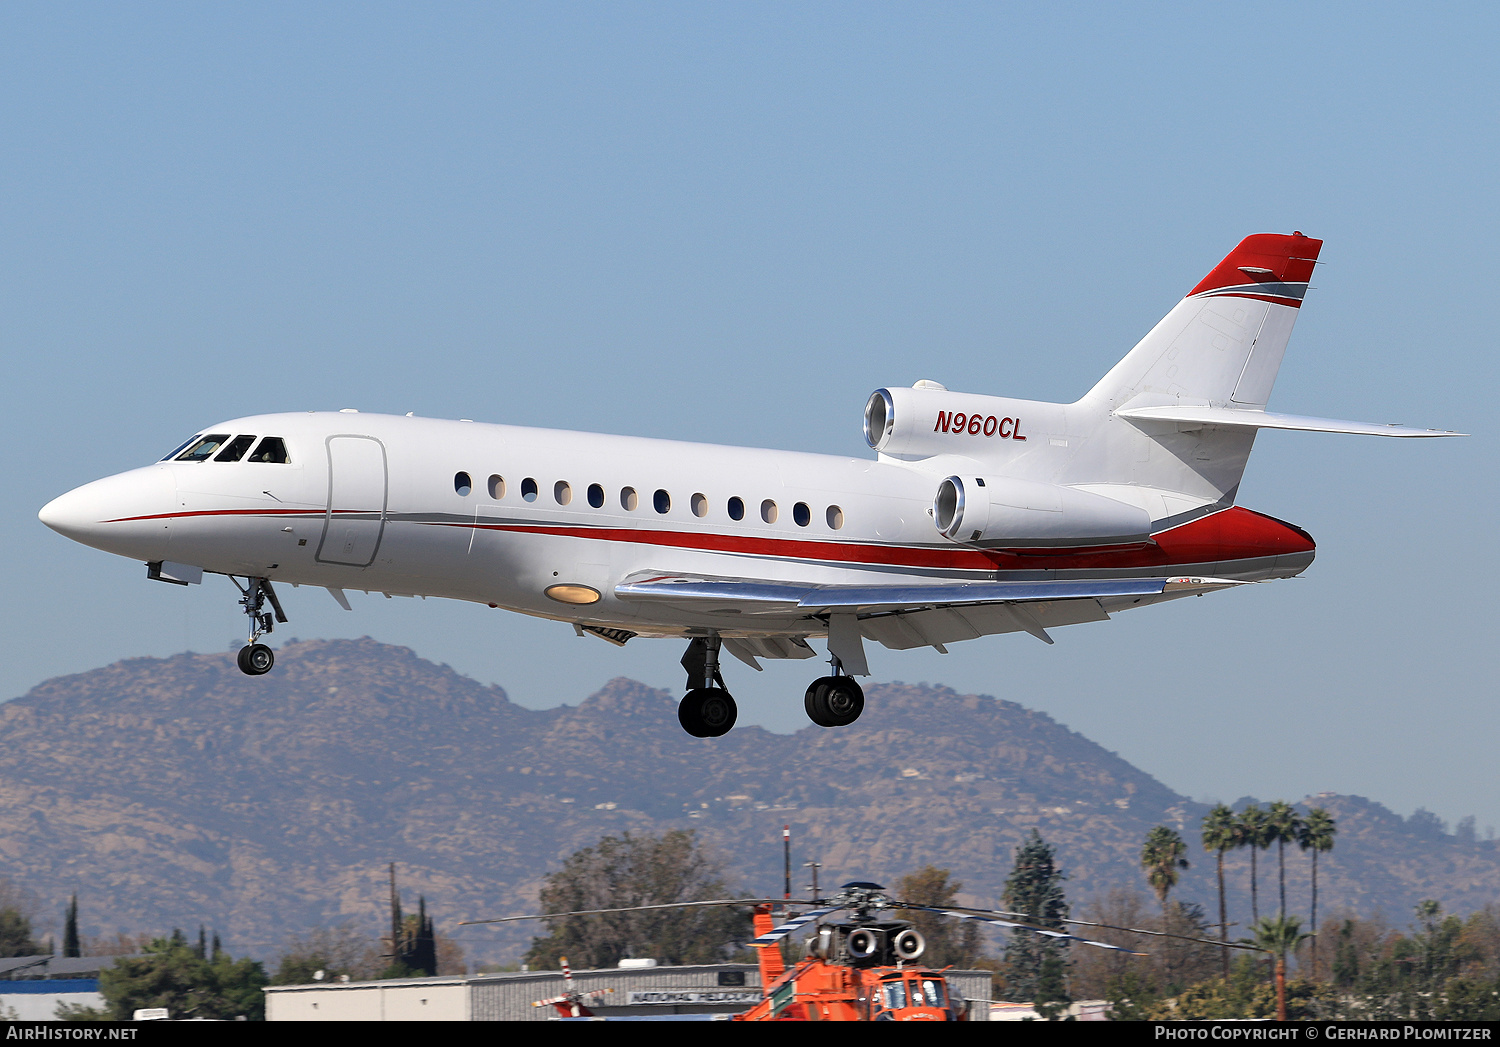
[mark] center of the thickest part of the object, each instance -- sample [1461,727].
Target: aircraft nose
[128,514]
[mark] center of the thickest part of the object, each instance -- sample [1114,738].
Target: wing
[903,616]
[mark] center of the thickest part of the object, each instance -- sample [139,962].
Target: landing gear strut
[255,658]
[707,710]
[834,701]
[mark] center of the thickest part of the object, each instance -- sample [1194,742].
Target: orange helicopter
[863,967]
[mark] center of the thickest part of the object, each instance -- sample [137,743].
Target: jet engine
[928,419]
[1000,512]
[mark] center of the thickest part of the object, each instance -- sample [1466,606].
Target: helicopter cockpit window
[893,994]
[272,449]
[235,450]
[932,989]
[203,448]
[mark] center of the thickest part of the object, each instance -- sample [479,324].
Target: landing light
[574,594]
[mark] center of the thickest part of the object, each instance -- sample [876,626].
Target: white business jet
[977,515]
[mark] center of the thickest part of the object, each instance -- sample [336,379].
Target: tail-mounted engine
[927,420]
[1001,512]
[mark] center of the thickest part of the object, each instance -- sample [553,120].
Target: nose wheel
[255,658]
[708,709]
[707,712]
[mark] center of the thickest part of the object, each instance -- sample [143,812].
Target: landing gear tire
[707,712]
[834,701]
[256,659]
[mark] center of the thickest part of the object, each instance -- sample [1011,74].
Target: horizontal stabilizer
[1232,417]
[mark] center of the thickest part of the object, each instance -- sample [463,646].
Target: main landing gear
[255,658]
[706,711]
[834,701]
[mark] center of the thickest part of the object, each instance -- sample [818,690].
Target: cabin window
[235,450]
[497,487]
[562,492]
[736,508]
[206,446]
[835,518]
[271,450]
[700,505]
[768,511]
[596,496]
[662,501]
[802,514]
[462,484]
[629,499]
[528,489]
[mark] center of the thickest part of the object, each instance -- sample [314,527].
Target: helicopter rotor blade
[780,931]
[1046,931]
[998,917]
[637,908]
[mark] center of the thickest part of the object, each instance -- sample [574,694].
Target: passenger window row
[661,500]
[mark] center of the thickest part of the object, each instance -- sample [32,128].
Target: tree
[17,907]
[1316,835]
[339,952]
[1034,963]
[1163,859]
[70,929]
[1253,834]
[174,976]
[1282,828]
[621,871]
[1220,834]
[1279,935]
[950,942]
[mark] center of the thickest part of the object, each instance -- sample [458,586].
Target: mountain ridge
[174,791]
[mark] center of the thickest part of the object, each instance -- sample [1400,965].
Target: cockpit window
[236,449]
[937,995]
[894,994]
[272,449]
[174,452]
[206,445]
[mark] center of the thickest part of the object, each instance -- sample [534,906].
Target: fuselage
[548,522]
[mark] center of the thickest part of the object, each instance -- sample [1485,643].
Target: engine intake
[1001,512]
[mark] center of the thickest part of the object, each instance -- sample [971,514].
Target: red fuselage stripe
[1230,534]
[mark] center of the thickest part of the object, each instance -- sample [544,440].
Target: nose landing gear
[706,711]
[255,658]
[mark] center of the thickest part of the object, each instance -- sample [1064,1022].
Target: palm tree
[1253,828]
[1279,935]
[1220,834]
[1282,826]
[1162,858]
[1316,834]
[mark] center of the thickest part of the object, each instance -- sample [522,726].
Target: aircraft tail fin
[1220,347]
[1223,343]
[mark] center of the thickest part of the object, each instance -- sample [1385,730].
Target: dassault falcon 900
[978,515]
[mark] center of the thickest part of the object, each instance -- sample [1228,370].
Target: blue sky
[732,222]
